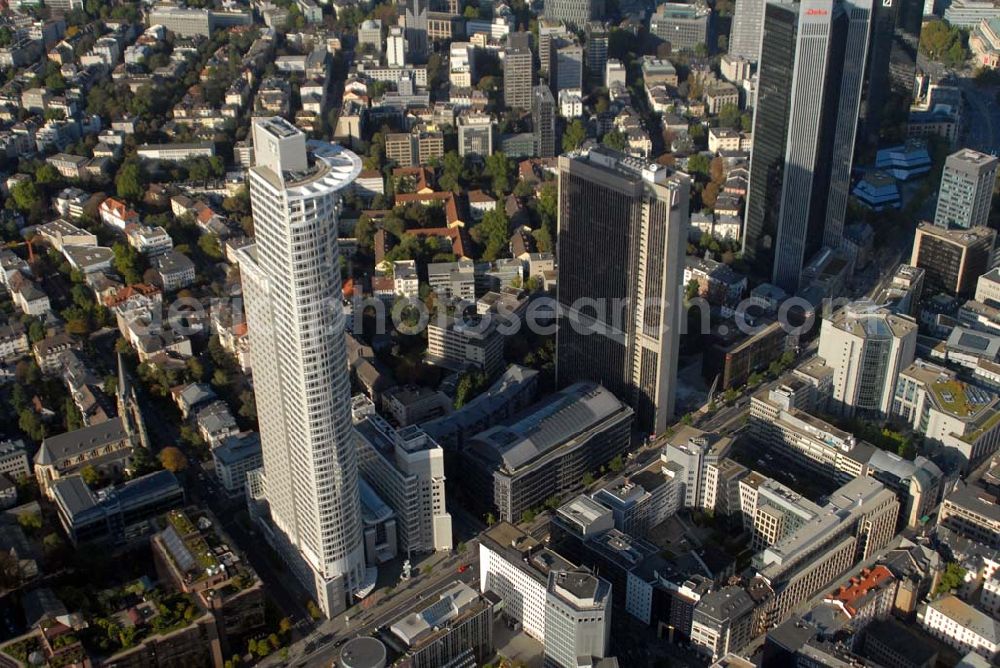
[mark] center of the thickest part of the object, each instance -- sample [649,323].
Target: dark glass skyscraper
[892,60]
[859,22]
[622,239]
[808,79]
[770,134]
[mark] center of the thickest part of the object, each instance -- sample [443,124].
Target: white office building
[960,625]
[866,347]
[406,469]
[577,618]
[292,288]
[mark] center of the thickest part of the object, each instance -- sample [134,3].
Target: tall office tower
[543,120]
[291,282]
[577,618]
[966,190]
[569,68]
[549,34]
[801,59]
[892,62]
[622,239]
[576,13]
[517,74]
[395,47]
[415,19]
[866,347]
[597,51]
[748,26]
[859,21]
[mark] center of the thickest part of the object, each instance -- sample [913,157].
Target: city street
[322,645]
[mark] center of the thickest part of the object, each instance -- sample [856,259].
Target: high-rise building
[406,468]
[953,260]
[966,191]
[748,26]
[475,135]
[867,348]
[395,47]
[859,20]
[775,75]
[517,73]
[543,120]
[795,125]
[516,567]
[291,282]
[622,239]
[576,13]
[569,68]
[693,452]
[370,34]
[810,81]
[597,50]
[415,20]
[892,61]
[682,25]
[577,618]
[550,32]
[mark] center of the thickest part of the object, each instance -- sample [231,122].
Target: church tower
[128,408]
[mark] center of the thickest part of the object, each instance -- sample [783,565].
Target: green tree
[209,245]
[729,116]
[698,164]
[469,385]
[128,182]
[588,479]
[615,140]
[46,173]
[574,135]
[36,331]
[25,195]
[90,475]
[30,522]
[616,464]
[452,165]
[500,170]
[127,262]
[952,578]
[54,82]
[493,233]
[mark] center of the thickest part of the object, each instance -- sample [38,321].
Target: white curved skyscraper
[292,289]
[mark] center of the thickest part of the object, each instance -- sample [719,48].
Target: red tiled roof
[451,212]
[850,595]
[455,234]
[123,294]
[118,208]
[479,197]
